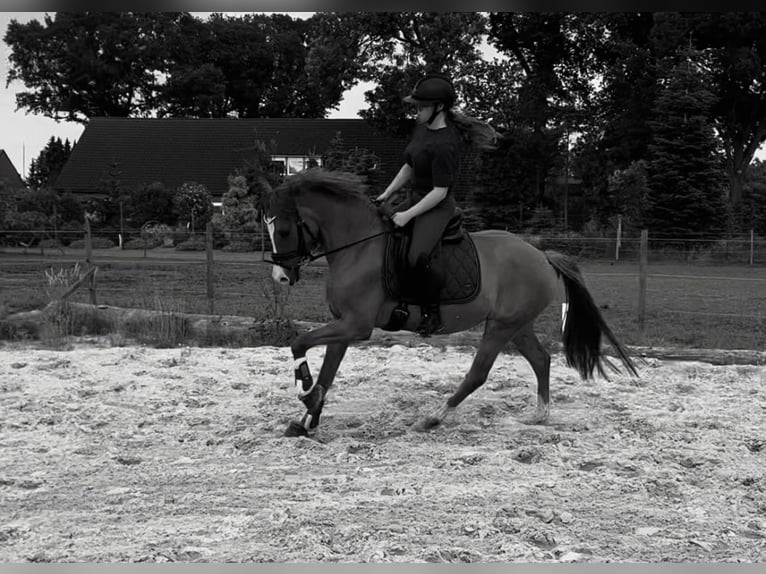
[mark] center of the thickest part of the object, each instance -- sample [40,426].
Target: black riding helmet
[433,89]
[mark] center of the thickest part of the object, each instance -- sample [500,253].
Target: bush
[51,243]
[70,231]
[180,235]
[195,243]
[146,243]
[97,242]
[239,246]
[278,332]
[154,234]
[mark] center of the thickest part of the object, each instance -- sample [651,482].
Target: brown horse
[331,211]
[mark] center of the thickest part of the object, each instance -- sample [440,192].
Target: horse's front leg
[337,336]
[312,393]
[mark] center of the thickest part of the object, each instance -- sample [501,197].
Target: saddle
[455,258]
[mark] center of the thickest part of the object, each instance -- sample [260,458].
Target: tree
[152,202]
[239,213]
[25,225]
[244,201]
[261,173]
[629,193]
[736,45]
[250,66]
[44,169]
[503,181]
[6,200]
[615,133]
[40,213]
[551,57]
[79,65]
[685,170]
[111,209]
[83,64]
[753,212]
[734,49]
[359,161]
[394,49]
[193,205]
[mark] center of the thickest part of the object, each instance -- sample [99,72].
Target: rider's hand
[382,197]
[400,219]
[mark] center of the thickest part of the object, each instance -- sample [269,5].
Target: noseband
[302,254]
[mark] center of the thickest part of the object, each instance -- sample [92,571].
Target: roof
[207,151]
[8,174]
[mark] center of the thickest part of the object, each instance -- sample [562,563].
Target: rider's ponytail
[474,132]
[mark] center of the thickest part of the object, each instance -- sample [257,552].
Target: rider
[431,166]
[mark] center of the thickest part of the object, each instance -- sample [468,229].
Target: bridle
[303,254]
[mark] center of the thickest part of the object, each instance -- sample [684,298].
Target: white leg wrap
[299,382]
[298,362]
[301,392]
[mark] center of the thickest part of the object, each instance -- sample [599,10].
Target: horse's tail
[583,324]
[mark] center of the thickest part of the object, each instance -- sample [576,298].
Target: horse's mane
[339,185]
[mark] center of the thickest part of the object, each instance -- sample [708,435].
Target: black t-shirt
[434,156]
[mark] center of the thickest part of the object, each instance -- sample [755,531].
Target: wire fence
[749,250]
[706,291]
[743,249]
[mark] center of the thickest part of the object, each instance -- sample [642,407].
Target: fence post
[122,228]
[209,250]
[752,246]
[642,265]
[89,261]
[619,238]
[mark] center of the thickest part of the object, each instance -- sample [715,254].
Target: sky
[22,135]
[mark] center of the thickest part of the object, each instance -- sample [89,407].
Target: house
[139,151]
[9,177]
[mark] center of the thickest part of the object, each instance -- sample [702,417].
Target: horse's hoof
[428,423]
[535,419]
[296,429]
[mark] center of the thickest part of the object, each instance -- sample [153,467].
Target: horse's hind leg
[495,337]
[539,359]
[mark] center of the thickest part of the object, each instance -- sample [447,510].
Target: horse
[330,211]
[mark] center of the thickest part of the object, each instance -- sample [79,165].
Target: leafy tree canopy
[78,65]
[131,64]
[44,169]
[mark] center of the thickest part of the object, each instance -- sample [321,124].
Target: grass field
[687,305]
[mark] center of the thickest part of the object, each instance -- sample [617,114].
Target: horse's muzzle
[293,275]
[286,275]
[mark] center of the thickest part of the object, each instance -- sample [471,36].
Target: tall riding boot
[429,285]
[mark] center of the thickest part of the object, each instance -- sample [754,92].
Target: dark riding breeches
[428,228]
[425,280]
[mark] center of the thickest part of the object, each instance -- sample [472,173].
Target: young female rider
[431,166]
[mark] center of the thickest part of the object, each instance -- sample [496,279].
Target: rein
[342,247]
[303,254]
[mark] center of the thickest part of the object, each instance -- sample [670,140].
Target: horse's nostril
[284,280]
